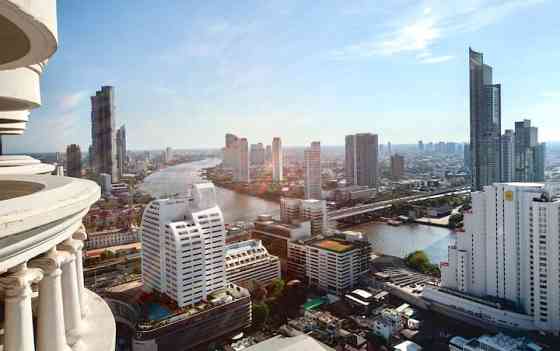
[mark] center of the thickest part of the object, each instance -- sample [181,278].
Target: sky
[187,72]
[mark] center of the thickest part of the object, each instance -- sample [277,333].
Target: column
[18,318]
[50,325]
[70,291]
[80,235]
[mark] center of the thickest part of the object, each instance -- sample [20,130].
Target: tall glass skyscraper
[361,159]
[529,154]
[485,123]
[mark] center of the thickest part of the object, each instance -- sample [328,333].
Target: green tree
[261,312]
[455,220]
[277,287]
[419,260]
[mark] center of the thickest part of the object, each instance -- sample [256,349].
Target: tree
[261,311]
[419,260]
[277,287]
[455,220]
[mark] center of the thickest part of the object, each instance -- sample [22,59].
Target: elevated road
[380,205]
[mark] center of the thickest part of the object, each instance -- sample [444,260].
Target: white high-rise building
[316,212]
[277,163]
[312,171]
[241,168]
[183,246]
[505,267]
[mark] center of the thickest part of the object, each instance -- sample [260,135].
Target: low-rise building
[113,237]
[353,193]
[249,261]
[499,342]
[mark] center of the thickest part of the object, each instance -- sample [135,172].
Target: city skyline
[418,46]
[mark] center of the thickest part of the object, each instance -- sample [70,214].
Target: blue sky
[187,72]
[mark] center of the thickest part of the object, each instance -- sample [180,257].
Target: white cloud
[422,26]
[71,101]
[437,59]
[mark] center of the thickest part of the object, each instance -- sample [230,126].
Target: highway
[380,205]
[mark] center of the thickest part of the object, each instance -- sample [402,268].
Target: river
[395,241]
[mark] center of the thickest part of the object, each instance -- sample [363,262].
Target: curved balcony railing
[29,32]
[41,242]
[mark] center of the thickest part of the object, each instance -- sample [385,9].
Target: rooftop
[337,245]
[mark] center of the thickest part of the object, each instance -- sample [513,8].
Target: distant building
[103,132]
[257,154]
[289,209]
[529,154]
[229,151]
[241,166]
[353,193]
[73,161]
[312,171]
[168,155]
[316,212]
[508,156]
[281,343]
[112,237]
[361,158]
[121,150]
[183,242]
[467,156]
[485,123]
[249,261]
[105,183]
[277,160]
[268,154]
[420,146]
[397,166]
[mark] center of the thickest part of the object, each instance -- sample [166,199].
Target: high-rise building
[467,156]
[183,241]
[73,161]
[168,154]
[257,154]
[397,166]
[229,156]
[389,150]
[121,150]
[485,123]
[268,154]
[316,212]
[361,157]
[508,147]
[241,168]
[312,171]
[529,154]
[420,146]
[289,209]
[277,160]
[104,133]
[504,268]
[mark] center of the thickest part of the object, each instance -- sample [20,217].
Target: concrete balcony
[20,89]
[19,164]
[41,239]
[28,32]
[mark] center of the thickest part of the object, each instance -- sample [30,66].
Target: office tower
[121,150]
[184,246]
[73,161]
[361,157]
[257,154]
[467,157]
[103,132]
[277,161]
[241,168]
[168,154]
[248,262]
[508,258]
[529,154]
[420,146]
[389,151]
[485,123]
[312,171]
[397,166]
[231,139]
[45,304]
[289,209]
[316,212]
[268,154]
[508,146]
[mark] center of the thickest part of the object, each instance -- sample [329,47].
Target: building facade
[315,211]
[312,171]
[508,258]
[121,150]
[277,160]
[361,160]
[104,133]
[529,154]
[249,261]
[397,166]
[257,154]
[508,156]
[183,246]
[73,161]
[241,167]
[485,123]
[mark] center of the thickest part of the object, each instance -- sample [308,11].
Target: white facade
[499,342]
[108,238]
[183,246]
[312,171]
[316,212]
[277,160]
[248,261]
[510,251]
[241,160]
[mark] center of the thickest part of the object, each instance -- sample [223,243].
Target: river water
[395,241]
